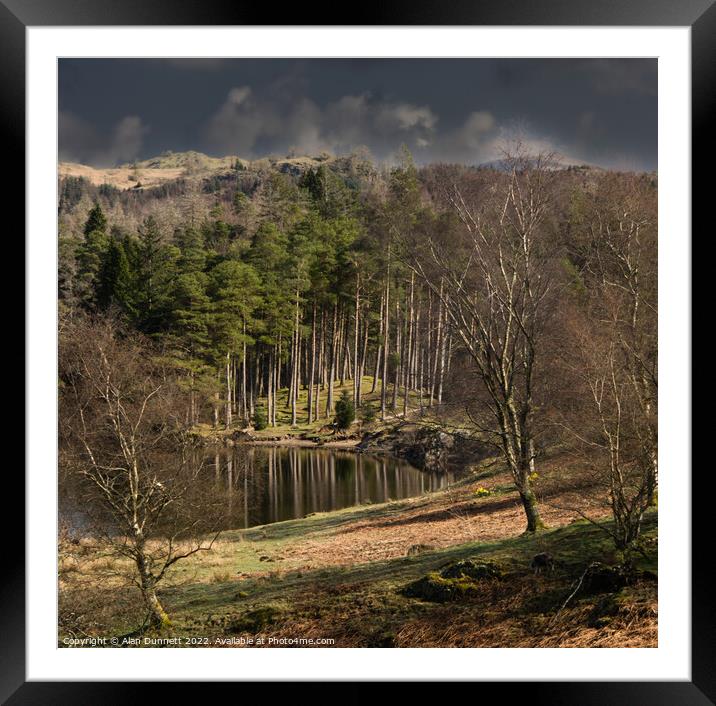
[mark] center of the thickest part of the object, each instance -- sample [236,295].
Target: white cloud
[403,116]
[245,123]
[468,142]
[518,137]
[126,141]
[239,123]
[80,141]
[251,126]
[281,120]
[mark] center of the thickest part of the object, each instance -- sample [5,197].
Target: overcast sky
[600,111]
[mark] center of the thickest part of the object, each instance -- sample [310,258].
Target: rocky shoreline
[425,447]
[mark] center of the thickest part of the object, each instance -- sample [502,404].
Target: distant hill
[556,162]
[190,161]
[168,166]
[192,165]
[120,177]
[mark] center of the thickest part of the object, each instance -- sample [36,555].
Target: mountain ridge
[171,165]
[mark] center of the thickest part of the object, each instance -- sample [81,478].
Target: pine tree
[193,252]
[235,294]
[96,221]
[157,268]
[345,411]
[90,255]
[187,340]
[115,284]
[329,193]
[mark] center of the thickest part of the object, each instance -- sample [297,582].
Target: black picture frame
[700,15]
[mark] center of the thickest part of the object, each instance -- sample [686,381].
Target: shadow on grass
[573,546]
[324,523]
[464,510]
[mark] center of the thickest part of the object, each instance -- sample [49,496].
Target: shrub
[345,411]
[368,413]
[260,419]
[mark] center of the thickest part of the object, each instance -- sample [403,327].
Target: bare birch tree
[493,282]
[122,440]
[612,358]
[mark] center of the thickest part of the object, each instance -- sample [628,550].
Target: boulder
[476,570]
[242,435]
[428,448]
[603,578]
[455,582]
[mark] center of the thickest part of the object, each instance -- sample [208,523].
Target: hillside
[350,576]
[197,167]
[120,177]
[189,161]
[170,166]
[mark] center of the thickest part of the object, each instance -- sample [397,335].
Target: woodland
[334,299]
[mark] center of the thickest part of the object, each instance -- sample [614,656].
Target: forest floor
[341,575]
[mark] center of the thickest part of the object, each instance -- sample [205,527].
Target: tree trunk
[408,357]
[269,389]
[379,347]
[243,377]
[364,354]
[529,503]
[334,356]
[438,347]
[356,335]
[321,366]
[276,381]
[227,413]
[295,364]
[157,615]
[443,353]
[386,336]
[312,374]
[192,403]
[398,356]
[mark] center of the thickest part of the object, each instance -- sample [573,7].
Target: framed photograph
[349,339]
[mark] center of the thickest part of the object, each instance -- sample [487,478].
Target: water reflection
[270,484]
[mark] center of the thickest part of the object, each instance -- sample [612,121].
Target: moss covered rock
[605,578]
[603,612]
[434,587]
[455,582]
[476,570]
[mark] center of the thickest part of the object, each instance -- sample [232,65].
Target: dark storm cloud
[600,111]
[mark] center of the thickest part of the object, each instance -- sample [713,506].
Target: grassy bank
[342,575]
[320,430]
